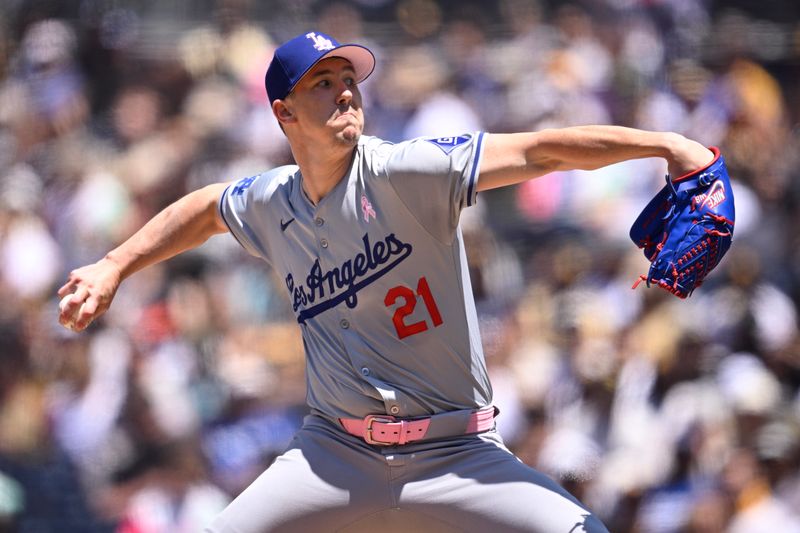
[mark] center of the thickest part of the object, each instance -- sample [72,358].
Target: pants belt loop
[403,432]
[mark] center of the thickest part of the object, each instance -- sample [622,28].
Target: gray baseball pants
[328,480]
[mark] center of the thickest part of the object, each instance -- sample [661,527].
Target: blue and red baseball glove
[687,228]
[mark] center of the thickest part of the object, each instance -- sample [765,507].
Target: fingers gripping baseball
[87,294]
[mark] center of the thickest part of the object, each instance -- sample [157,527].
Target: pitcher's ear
[283,111]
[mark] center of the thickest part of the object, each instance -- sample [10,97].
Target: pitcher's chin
[350,135]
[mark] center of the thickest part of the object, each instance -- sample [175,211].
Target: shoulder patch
[243,184]
[447,144]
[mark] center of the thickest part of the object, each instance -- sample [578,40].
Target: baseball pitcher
[365,235]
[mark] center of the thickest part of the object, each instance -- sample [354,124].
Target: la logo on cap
[320,43]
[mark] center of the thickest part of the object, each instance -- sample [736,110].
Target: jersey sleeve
[242,207]
[436,179]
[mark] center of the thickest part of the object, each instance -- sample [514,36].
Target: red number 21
[410,302]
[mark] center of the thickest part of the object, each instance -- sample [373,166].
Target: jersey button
[323,243]
[319,221]
[344,323]
[394,410]
[365,371]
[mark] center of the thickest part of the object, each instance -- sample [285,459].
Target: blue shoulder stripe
[222,215]
[475,162]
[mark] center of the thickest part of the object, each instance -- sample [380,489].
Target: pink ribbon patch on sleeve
[366,208]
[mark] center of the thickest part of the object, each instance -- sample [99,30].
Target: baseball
[72,318]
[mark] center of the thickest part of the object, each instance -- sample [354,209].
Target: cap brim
[362,59]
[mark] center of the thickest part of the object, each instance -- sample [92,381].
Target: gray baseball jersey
[377,275]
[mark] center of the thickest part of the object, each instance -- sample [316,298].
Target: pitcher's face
[327,101]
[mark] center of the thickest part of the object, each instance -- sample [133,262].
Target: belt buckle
[371,419]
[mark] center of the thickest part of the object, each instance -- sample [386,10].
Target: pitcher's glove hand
[687,228]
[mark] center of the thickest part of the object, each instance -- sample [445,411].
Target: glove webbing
[709,245]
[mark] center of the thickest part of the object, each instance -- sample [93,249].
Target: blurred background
[662,415]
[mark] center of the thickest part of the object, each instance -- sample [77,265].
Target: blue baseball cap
[297,56]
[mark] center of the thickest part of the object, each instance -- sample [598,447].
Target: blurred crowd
[662,415]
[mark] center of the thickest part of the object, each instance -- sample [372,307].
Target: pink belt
[386,430]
